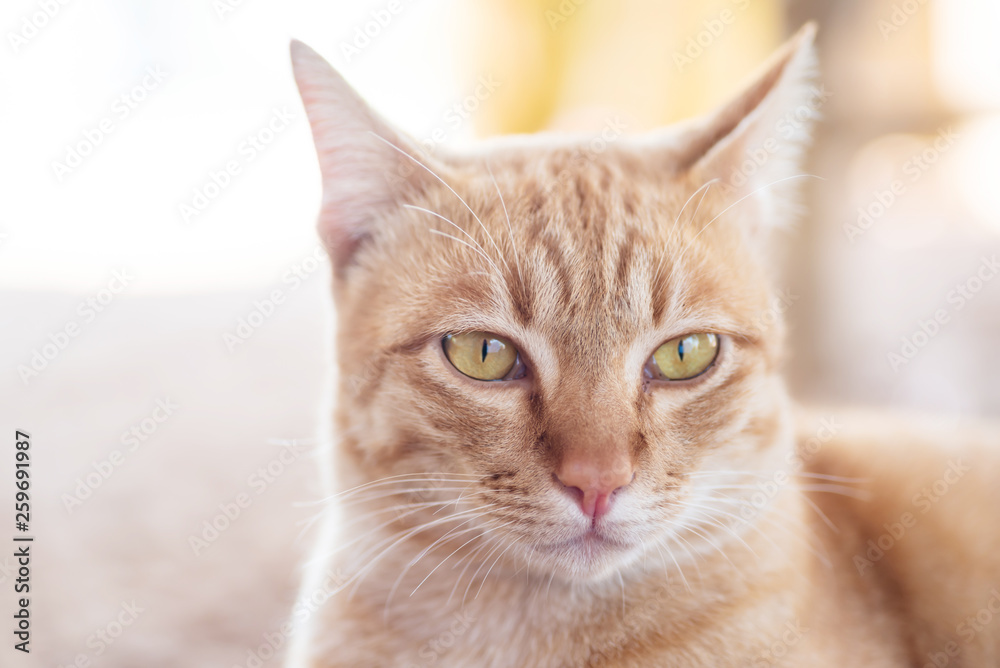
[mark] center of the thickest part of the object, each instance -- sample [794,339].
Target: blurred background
[163,304]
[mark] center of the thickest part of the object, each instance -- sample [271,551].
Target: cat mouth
[590,542]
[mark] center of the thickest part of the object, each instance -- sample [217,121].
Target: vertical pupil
[485,349]
[680,349]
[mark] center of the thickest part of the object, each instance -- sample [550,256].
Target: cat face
[551,352]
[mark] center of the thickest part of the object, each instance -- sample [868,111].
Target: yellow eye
[481,355]
[684,357]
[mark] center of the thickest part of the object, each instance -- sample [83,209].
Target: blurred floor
[128,542]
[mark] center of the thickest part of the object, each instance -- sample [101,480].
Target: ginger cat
[562,437]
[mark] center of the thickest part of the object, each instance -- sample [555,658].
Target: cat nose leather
[592,480]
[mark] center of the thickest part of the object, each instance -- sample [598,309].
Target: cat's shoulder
[890,465]
[912,500]
[885,440]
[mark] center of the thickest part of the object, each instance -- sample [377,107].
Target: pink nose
[593,481]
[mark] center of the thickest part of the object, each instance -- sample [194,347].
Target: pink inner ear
[729,131]
[364,180]
[340,239]
[729,118]
[357,168]
[724,148]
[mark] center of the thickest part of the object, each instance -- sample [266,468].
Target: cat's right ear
[753,145]
[368,168]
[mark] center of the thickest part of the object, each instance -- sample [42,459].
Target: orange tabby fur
[450,544]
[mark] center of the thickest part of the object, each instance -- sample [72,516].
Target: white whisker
[757,190]
[510,229]
[370,565]
[450,189]
[449,535]
[464,243]
[485,577]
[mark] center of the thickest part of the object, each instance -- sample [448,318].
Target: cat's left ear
[369,168]
[752,146]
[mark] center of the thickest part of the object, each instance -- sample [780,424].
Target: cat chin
[589,557]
